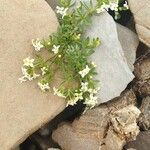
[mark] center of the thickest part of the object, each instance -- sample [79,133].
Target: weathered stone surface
[142,74]
[143,87]
[144,119]
[23,108]
[141,13]
[129,42]
[113,71]
[108,126]
[142,68]
[141,143]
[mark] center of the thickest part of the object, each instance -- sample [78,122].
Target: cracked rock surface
[108,126]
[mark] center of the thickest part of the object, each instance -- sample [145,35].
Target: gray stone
[108,126]
[113,71]
[141,13]
[129,42]
[144,119]
[23,107]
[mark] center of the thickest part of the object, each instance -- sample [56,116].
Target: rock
[108,126]
[23,107]
[140,10]
[144,119]
[113,71]
[142,68]
[52,3]
[142,74]
[17,148]
[141,143]
[142,87]
[129,42]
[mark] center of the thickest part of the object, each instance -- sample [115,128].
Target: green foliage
[69,52]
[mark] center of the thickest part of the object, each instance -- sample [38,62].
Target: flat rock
[94,130]
[113,71]
[23,107]
[141,143]
[140,10]
[129,42]
[144,119]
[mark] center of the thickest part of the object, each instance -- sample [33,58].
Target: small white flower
[22,79]
[85,71]
[44,70]
[91,101]
[94,65]
[37,44]
[79,96]
[62,11]
[103,8]
[26,76]
[84,86]
[114,6]
[35,75]
[126,5]
[55,49]
[58,93]
[28,62]
[71,102]
[94,91]
[44,86]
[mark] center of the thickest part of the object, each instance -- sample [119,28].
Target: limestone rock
[144,119]
[141,143]
[129,42]
[23,107]
[108,126]
[113,71]
[140,10]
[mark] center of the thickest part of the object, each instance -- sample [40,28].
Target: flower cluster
[69,52]
[114,6]
[28,70]
[37,44]
[62,11]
